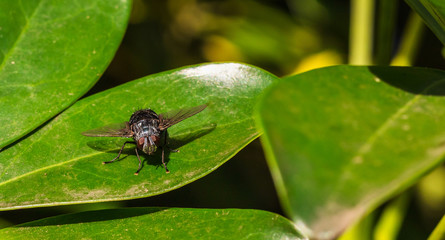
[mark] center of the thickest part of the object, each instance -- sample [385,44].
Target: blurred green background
[283,37]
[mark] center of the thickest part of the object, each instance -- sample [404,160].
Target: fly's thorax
[144,123]
[145,127]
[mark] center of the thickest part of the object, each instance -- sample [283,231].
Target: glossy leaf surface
[51,53]
[57,165]
[342,140]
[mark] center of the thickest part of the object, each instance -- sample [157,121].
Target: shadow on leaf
[414,80]
[174,142]
[92,216]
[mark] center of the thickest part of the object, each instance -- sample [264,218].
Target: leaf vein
[367,146]
[24,29]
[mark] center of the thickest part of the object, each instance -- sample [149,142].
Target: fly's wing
[171,118]
[112,130]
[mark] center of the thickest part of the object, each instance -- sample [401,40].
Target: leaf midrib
[93,154]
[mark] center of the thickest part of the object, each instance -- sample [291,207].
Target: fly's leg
[164,145]
[118,155]
[140,162]
[163,162]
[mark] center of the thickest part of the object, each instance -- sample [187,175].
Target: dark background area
[277,35]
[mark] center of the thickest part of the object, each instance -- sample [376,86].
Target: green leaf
[342,140]
[57,165]
[433,13]
[158,223]
[51,53]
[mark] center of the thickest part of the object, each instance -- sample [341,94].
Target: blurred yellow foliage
[431,192]
[319,60]
[217,49]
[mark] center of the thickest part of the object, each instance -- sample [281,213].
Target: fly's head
[148,144]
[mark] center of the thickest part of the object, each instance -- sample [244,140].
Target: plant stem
[361,31]
[361,230]
[387,13]
[410,41]
[390,222]
[439,231]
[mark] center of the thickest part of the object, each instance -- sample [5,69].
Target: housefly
[147,128]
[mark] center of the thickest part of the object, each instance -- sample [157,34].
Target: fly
[147,129]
